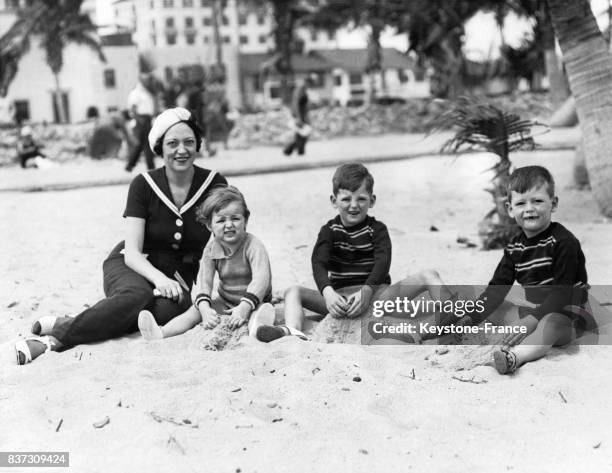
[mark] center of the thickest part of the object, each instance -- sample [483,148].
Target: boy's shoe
[44,325]
[264,315]
[148,326]
[268,333]
[505,361]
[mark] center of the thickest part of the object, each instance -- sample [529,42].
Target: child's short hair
[219,198]
[350,177]
[526,178]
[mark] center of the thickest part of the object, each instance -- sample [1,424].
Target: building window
[109,79]
[355,78]
[188,22]
[168,3]
[224,20]
[244,39]
[402,76]
[316,79]
[12,4]
[153,40]
[187,3]
[261,18]
[263,38]
[169,22]
[152,4]
[332,34]
[22,111]
[170,38]
[206,39]
[242,19]
[190,38]
[227,39]
[206,21]
[338,80]
[169,73]
[314,35]
[275,92]
[204,3]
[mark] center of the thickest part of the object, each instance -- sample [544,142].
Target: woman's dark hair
[192,123]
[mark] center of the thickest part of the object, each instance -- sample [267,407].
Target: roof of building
[117,39]
[351,60]
[355,60]
[254,63]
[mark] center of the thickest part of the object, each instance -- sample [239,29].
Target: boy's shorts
[220,305]
[579,315]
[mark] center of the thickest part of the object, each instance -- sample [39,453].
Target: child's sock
[505,361]
[264,315]
[148,326]
[268,333]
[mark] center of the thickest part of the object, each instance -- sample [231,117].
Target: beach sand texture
[293,405]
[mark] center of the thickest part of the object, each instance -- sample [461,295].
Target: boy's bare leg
[415,284]
[298,298]
[180,324]
[552,330]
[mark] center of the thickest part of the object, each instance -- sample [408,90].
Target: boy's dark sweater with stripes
[348,256]
[547,265]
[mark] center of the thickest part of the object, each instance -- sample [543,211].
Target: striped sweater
[348,256]
[547,265]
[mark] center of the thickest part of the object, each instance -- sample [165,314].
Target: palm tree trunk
[283,37]
[61,116]
[217,34]
[589,68]
[374,66]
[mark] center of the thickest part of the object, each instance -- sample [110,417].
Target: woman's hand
[169,288]
[239,315]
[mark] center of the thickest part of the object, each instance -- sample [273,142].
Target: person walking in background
[141,104]
[299,110]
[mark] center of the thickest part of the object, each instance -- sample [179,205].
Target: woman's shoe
[23,352]
[44,325]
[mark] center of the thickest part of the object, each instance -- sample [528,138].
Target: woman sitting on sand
[162,248]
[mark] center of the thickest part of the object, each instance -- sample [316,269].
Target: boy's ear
[509,209]
[208,227]
[333,200]
[372,200]
[555,203]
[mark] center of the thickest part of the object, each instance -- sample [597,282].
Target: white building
[338,76]
[84,80]
[175,33]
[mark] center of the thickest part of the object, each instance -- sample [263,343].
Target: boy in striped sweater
[547,260]
[350,260]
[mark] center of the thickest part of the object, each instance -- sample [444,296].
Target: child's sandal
[505,361]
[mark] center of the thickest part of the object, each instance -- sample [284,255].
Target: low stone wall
[273,128]
[60,142]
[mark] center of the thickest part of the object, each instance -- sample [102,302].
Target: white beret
[164,121]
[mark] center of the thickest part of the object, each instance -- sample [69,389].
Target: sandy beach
[292,405]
